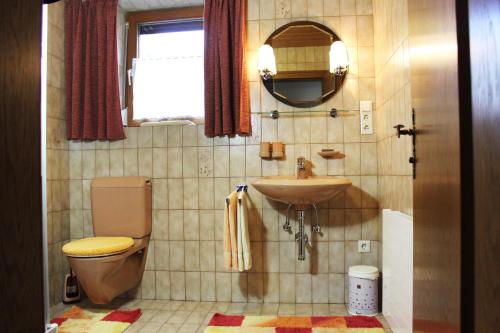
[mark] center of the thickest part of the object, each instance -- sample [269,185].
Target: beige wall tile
[304,288]
[176,224]
[190,193]
[130,162]
[253,9]
[352,224]
[352,256]
[148,285]
[174,163]
[352,159]
[287,257]
[221,161]
[299,8]
[159,139]
[191,225]
[160,224]
[336,288]
[178,285]
[336,260]
[145,137]
[145,161]
[160,165]
[192,254]
[283,8]
[177,256]
[207,292]
[270,257]
[314,8]
[237,161]
[253,161]
[287,287]
[320,288]
[162,285]
[222,281]
[116,162]
[189,136]
[239,287]
[174,136]
[131,134]
[162,255]
[207,256]
[206,193]
[102,160]
[190,162]
[175,193]
[364,7]
[266,10]
[271,288]
[205,161]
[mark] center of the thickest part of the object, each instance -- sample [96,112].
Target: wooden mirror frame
[339,80]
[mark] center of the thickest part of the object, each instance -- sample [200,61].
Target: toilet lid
[97,246]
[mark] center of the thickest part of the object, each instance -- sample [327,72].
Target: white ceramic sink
[301,192]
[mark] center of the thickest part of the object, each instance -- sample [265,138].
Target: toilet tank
[121,206]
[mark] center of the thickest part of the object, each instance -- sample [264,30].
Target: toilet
[113,261]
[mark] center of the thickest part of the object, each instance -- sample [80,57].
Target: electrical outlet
[366,117]
[364,246]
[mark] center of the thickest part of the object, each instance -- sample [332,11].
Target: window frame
[134,19]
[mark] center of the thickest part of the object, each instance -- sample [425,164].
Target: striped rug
[293,324]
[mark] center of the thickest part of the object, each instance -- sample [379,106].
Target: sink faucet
[301,168]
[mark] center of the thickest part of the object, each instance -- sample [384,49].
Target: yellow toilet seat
[97,246]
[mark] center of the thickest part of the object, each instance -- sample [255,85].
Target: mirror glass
[302,55]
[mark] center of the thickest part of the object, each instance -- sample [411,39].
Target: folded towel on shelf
[244,253]
[230,232]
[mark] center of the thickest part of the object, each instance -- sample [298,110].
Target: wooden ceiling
[301,36]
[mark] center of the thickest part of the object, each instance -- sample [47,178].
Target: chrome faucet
[301,168]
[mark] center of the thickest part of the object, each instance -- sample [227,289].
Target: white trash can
[363,290]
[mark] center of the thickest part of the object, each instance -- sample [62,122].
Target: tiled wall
[57,153]
[192,174]
[392,68]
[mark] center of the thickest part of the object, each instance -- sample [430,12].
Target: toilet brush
[71,288]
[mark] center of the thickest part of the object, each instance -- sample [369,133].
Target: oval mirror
[304,73]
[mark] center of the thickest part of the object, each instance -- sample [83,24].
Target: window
[165,59]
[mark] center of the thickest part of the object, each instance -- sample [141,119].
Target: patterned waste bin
[363,290]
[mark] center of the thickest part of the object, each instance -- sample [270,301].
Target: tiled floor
[192,317]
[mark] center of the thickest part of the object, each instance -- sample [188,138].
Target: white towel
[244,253]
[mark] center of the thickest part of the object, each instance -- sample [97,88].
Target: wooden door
[484,27]
[21,268]
[437,187]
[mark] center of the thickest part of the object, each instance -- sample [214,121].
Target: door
[437,187]
[21,268]
[484,27]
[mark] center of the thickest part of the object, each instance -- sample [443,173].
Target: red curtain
[92,92]
[227,109]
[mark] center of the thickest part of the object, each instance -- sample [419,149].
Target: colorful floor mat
[78,320]
[293,324]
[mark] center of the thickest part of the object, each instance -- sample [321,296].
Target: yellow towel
[244,253]
[230,242]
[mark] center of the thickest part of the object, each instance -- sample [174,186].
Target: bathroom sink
[300,192]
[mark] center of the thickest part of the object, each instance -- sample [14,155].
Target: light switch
[366,117]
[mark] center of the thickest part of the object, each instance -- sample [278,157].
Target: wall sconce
[267,62]
[339,59]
